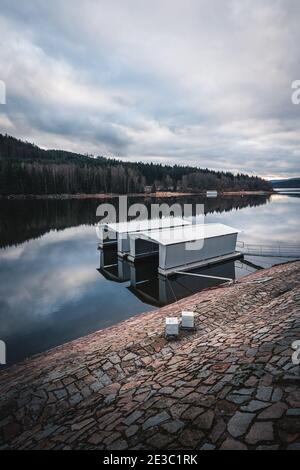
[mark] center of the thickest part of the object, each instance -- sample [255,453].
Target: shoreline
[159,194]
[127,387]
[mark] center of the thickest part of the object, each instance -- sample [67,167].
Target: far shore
[158,194]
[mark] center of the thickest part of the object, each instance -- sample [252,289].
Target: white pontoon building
[186,247]
[118,233]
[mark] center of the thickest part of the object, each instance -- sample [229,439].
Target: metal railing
[276,250]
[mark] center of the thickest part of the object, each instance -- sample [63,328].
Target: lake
[56,286]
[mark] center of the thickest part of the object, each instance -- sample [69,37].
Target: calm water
[55,286]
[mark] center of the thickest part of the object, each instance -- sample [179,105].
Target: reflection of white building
[113,267]
[160,290]
[155,289]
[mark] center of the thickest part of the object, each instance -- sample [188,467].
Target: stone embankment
[231,384]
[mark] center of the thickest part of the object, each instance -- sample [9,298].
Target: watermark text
[2,353]
[2,92]
[296,94]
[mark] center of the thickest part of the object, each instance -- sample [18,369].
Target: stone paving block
[239,423]
[231,444]
[260,432]
[156,420]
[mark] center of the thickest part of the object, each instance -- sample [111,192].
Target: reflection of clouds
[276,221]
[40,276]
[11,253]
[47,293]
[55,236]
[50,238]
[52,292]
[70,279]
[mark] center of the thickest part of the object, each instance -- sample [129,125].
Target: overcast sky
[200,82]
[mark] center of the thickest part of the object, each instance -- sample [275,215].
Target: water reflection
[160,290]
[51,290]
[277,221]
[113,267]
[23,220]
[152,288]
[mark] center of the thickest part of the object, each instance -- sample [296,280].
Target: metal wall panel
[177,255]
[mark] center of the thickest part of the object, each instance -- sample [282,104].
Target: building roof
[147,224]
[188,233]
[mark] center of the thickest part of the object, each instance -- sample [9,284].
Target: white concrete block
[172,326]
[188,320]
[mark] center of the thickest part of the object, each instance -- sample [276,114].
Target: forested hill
[27,169]
[287,183]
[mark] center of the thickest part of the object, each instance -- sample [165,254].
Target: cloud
[207,83]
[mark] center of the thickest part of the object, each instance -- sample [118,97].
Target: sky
[201,82]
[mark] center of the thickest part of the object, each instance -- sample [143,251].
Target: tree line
[28,169]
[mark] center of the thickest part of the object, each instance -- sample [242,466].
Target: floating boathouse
[187,247]
[118,233]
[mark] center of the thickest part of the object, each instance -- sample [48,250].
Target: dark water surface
[55,286]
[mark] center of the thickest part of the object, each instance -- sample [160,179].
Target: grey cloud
[204,82]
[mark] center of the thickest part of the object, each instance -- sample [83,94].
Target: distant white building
[148,189]
[211,193]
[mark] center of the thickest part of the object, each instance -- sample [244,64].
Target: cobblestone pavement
[231,384]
